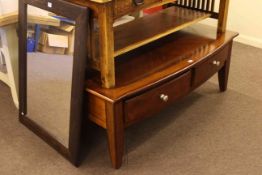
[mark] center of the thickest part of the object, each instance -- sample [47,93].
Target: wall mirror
[52,62]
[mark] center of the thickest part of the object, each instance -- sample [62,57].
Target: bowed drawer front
[156,99]
[211,66]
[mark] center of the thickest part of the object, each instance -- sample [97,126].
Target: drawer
[123,7]
[156,99]
[209,67]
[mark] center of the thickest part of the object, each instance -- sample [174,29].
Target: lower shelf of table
[152,27]
[147,29]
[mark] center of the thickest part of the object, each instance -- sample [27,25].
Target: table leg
[9,49]
[115,132]
[224,72]
[106,37]
[37,35]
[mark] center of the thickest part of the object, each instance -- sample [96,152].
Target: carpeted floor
[208,133]
[46,75]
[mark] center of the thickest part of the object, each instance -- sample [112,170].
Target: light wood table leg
[106,37]
[9,49]
[223,15]
[115,132]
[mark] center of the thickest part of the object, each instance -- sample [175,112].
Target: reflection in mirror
[50,45]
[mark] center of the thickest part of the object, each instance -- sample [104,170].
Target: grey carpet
[49,87]
[207,133]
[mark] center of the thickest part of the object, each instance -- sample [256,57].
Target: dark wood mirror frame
[80,15]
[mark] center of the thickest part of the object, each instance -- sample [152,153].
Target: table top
[12,18]
[97,1]
[161,60]
[101,1]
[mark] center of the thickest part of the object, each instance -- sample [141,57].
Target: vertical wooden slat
[213,5]
[184,2]
[198,4]
[203,5]
[194,3]
[208,5]
[191,3]
[187,2]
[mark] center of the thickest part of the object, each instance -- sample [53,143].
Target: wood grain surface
[160,60]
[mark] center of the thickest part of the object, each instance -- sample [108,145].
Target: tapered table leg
[115,132]
[224,72]
[9,40]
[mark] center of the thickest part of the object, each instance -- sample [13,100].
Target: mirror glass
[50,45]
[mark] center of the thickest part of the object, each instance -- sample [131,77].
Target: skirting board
[242,38]
[256,42]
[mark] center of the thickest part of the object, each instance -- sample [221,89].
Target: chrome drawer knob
[217,63]
[164,97]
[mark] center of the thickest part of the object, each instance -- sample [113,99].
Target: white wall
[245,17]
[9,6]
